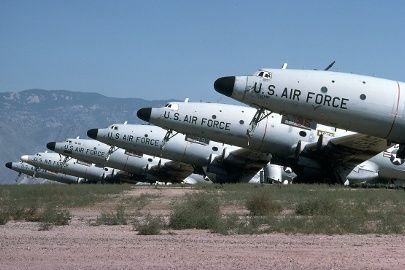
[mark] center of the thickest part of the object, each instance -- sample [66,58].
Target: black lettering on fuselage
[343,104]
[326,100]
[335,102]
[79,150]
[215,124]
[296,94]
[147,141]
[293,94]
[284,94]
[166,115]
[256,88]
[309,96]
[190,119]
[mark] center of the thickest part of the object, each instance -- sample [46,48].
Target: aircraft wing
[242,161]
[172,171]
[354,148]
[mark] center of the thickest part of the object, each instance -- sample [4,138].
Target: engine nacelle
[273,173]
[277,173]
[81,180]
[365,172]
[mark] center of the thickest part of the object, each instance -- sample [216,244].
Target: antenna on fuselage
[330,66]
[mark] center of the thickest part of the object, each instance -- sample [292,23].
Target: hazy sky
[176,49]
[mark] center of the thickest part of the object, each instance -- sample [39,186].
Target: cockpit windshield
[114,127]
[263,74]
[172,106]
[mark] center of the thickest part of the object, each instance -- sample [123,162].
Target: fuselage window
[264,74]
[172,106]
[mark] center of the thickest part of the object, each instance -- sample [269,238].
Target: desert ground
[82,245]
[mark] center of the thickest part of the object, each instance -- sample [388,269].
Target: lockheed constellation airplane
[217,161]
[314,154]
[144,168]
[364,104]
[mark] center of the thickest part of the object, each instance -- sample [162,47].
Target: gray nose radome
[51,146]
[92,133]
[225,85]
[144,114]
[8,165]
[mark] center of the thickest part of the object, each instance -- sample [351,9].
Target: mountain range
[31,118]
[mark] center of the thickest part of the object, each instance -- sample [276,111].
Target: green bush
[117,218]
[199,211]
[261,204]
[150,225]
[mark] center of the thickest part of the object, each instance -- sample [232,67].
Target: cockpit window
[264,74]
[172,106]
[115,128]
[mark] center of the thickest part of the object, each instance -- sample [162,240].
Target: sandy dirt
[80,245]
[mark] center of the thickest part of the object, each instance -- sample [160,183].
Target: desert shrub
[150,225]
[17,212]
[317,206]
[4,217]
[390,221]
[44,226]
[111,218]
[55,216]
[139,201]
[249,225]
[226,225]
[261,204]
[14,197]
[199,210]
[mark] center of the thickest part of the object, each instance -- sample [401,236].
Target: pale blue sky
[176,49]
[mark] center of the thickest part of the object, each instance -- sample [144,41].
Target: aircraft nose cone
[51,146]
[92,133]
[144,114]
[24,158]
[8,165]
[225,85]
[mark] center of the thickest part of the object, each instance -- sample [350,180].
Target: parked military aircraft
[218,161]
[143,167]
[359,103]
[25,168]
[60,164]
[320,153]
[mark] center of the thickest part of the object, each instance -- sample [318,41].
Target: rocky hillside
[29,119]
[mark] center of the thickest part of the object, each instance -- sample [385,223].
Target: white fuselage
[359,103]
